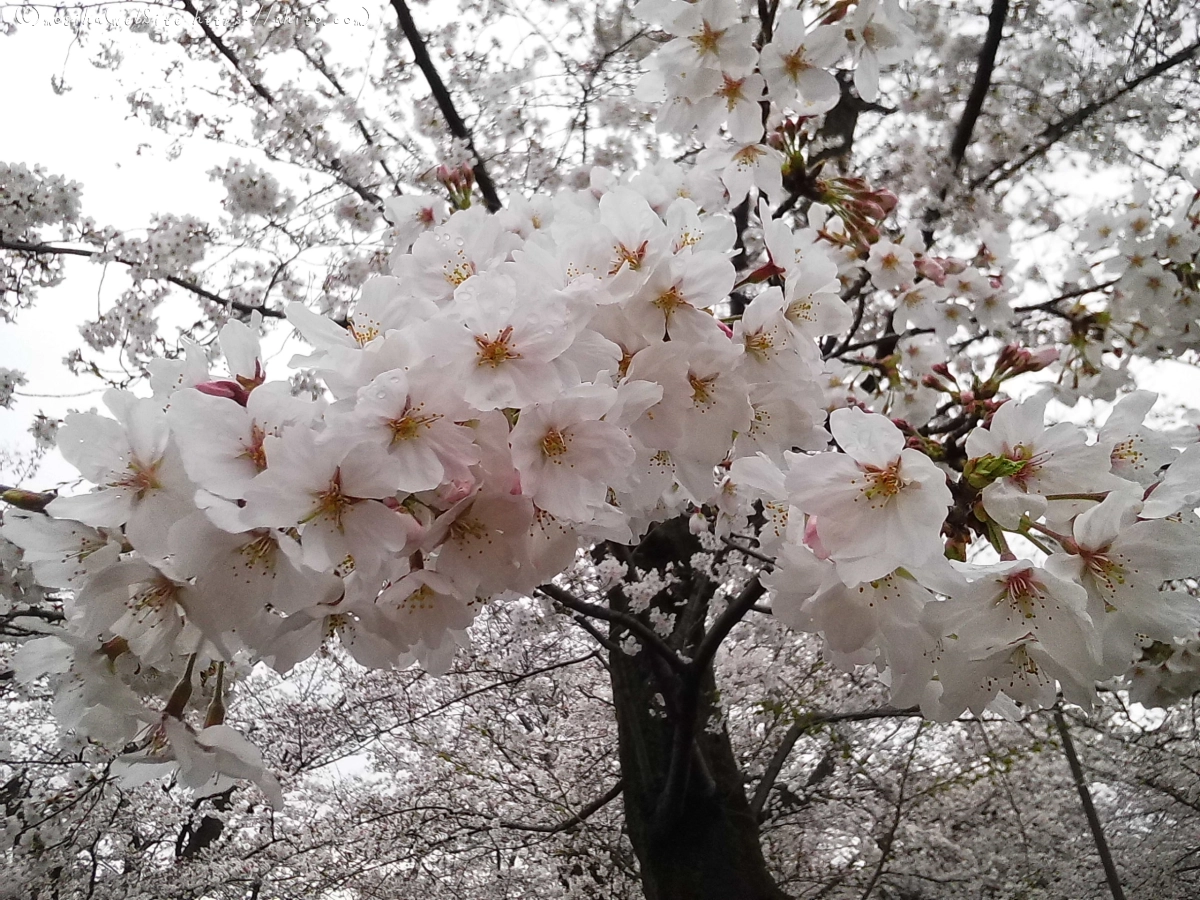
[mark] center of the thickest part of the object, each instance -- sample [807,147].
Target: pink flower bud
[931,270]
[230,390]
[886,199]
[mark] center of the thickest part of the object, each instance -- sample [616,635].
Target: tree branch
[732,614]
[687,708]
[640,629]
[262,91]
[1056,131]
[983,81]
[445,102]
[574,821]
[1089,809]
[889,839]
[858,288]
[797,730]
[774,767]
[973,107]
[54,249]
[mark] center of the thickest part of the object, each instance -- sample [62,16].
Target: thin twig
[55,250]
[259,88]
[1064,127]
[889,839]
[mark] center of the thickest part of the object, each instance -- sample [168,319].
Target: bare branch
[54,249]
[576,820]
[640,629]
[445,102]
[1056,131]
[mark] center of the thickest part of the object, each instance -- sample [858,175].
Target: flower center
[883,483]
[410,423]
[702,388]
[794,64]
[800,310]
[142,478]
[760,345]
[627,257]
[493,352]
[554,443]
[708,40]
[1023,592]
[254,451]
[458,274]
[259,553]
[748,156]
[332,503]
[421,598]
[156,596]
[364,333]
[731,90]
[670,300]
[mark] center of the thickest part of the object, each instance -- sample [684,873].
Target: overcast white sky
[85,135]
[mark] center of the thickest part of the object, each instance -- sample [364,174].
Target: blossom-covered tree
[694,312]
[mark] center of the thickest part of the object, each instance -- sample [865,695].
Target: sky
[128,173]
[86,135]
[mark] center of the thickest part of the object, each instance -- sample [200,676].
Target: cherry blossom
[878,505]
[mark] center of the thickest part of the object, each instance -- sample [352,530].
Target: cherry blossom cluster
[584,365]
[713,85]
[1075,598]
[30,200]
[1143,266]
[499,401]
[711,75]
[494,404]
[10,380]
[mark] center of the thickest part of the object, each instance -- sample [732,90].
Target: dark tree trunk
[693,832]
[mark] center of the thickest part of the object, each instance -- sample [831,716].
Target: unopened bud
[886,199]
[179,698]
[230,390]
[33,501]
[931,269]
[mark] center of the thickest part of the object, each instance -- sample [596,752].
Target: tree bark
[693,831]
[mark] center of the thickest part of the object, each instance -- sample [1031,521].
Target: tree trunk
[701,843]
